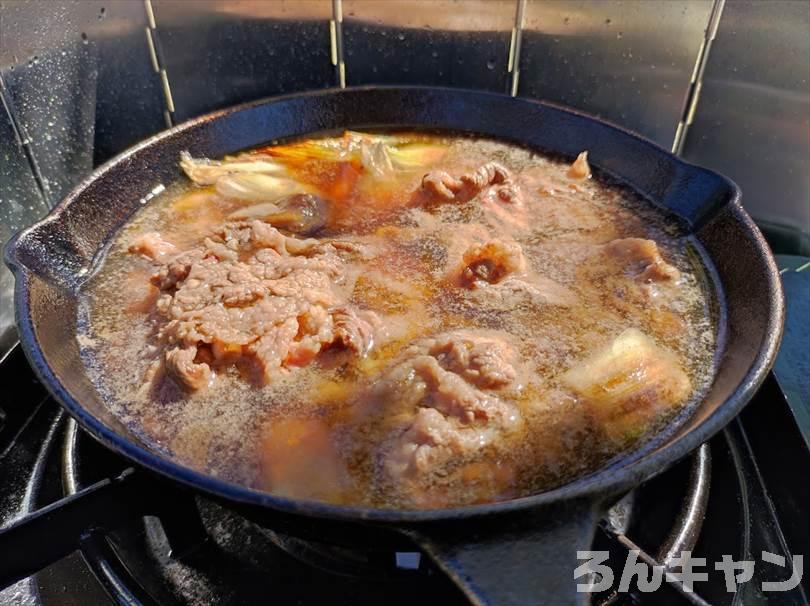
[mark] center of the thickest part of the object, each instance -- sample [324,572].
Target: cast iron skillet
[517,552]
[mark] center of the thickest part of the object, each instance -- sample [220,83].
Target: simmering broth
[400,320]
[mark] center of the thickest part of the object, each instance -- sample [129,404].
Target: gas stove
[742,494]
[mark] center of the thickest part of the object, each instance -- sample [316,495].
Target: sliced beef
[153,246]
[253,297]
[497,270]
[627,275]
[176,269]
[484,362]
[429,442]
[354,329]
[444,391]
[498,201]
[490,173]
[641,259]
[442,184]
[180,365]
[492,178]
[490,263]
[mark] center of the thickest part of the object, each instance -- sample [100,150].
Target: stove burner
[226,557]
[192,543]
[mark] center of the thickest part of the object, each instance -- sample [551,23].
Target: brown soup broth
[593,346]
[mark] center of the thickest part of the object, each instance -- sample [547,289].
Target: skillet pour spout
[516,552]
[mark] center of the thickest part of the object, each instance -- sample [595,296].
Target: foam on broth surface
[301,435]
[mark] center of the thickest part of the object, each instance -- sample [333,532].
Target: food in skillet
[397,320]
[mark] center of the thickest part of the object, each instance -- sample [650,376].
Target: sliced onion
[301,214]
[255,211]
[207,172]
[375,159]
[253,187]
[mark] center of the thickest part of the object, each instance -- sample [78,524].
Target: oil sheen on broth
[401,320]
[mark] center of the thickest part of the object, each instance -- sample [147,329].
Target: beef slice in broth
[400,320]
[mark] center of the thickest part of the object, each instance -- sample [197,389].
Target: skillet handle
[524,559]
[52,251]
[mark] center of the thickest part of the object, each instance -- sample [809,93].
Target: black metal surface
[29,474]
[386,46]
[792,367]
[217,57]
[767,467]
[80,82]
[52,258]
[690,518]
[76,517]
